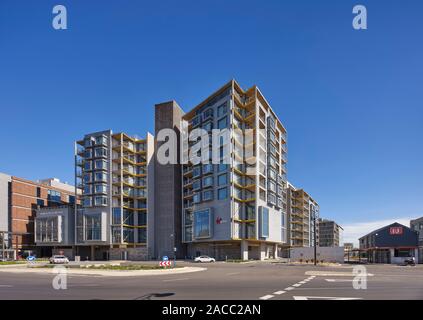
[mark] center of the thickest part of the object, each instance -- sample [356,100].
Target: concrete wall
[133,254]
[327,254]
[4,201]
[168,188]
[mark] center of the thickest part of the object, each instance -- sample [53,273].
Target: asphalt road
[226,281]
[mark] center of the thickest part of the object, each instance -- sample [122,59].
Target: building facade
[116,174]
[391,244]
[330,233]
[235,208]
[303,211]
[417,225]
[19,200]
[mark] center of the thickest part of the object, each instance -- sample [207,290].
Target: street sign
[165,263]
[175,249]
[31,258]
[165,258]
[396,231]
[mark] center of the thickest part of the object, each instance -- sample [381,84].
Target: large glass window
[54,196]
[222,193]
[196,171]
[116,216]
[221,110]
[100,201]
[208,195]
[208,182]
[222,123]
[222,167]
[222,179]
[100,152]
[202,224]
[47,229]
[196,198]
[207,168]
[264,222]
[196,184]
[93,227]
[100,188]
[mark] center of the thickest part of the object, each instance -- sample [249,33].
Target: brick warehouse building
[19,199]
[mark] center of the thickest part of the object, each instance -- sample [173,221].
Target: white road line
[5,286]
[303,282]
[171,280]
[339,280]
[279,292]
[233,273]
[269,296]
[323,298]
[289,289]
[297,285]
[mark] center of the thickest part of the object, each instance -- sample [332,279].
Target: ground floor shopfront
[391,255]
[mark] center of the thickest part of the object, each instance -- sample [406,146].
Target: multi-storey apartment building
[417,225]
[303,213]
[330,233]
[237,207]
[116,174]
[19,200]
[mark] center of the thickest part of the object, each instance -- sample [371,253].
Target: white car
[59,260]
[204,259]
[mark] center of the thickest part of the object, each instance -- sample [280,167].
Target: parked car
[59,260]
[204,259]
[410,261]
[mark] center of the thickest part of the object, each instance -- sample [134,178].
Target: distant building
[348,246]
[19,200]
[390,244]
[303,212]
[417,225]
[329,233]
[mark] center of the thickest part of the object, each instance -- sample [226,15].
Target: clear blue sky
[352,101]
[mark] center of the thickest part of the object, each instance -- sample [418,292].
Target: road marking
[269,296]
[182,279]
[303,282]
[297,285]
[289,289]
[5,286]
[323,298]
[233,273]
[339,280]
[279,292]
[335,274]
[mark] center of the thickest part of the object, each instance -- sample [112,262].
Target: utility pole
[314,235]
[3,247]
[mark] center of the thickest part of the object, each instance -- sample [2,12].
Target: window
[221,110]
[54,196]
[142,235]
[87,202]
[87,177]
[38,192]
[116,216]
[100,176]
[272,174]
[40,202]
[222,123]
[271,186]
[271,198]
[93,227]
[208,195]
[101,140]
[208,114]
[100,164]
[222,194]
[202,224]
[196,172]
[222,167]
[207,168]
[196,185]
[88,154]
[196,198]
[87,165]
[47,229]
[100,201]
[100,188]
[264,222]
[208,182]
[100,152]
[222,179]
[87,189]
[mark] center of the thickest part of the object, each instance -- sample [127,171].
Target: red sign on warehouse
[395,231]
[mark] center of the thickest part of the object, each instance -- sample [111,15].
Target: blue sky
[352,101]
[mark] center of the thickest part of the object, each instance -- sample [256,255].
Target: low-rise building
[391,244]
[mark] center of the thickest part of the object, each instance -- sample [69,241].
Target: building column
[92,253]
[262,253]
[275,252]
[244,250]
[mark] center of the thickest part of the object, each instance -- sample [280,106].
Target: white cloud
[354,231]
